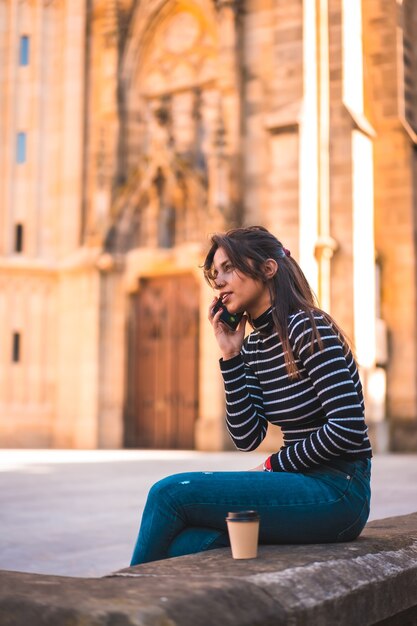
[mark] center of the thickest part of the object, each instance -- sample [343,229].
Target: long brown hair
[248,249]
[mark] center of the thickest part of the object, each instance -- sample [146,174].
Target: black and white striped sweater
[321,413]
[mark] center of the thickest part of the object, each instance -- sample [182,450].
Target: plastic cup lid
[242,516]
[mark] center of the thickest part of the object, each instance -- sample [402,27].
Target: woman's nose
[218,283]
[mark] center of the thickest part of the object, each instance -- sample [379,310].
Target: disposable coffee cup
[243,527]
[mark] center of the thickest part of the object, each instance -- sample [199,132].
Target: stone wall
[28,308]
[41,165]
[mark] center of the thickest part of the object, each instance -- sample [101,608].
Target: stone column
[230,87]
[210,430]
[78,313]
[325,243]
[103,119]
[308,133]
[8,123]
[72,120]
[111,353]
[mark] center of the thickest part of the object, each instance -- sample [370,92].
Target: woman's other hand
[258,468]
[230,341]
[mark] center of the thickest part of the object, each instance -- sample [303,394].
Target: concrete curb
[363,582]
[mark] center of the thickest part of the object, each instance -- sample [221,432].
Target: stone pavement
[76,513]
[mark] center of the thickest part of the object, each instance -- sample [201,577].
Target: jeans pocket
[335,478]
[347,474]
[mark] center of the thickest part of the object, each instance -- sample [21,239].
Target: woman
[295,370]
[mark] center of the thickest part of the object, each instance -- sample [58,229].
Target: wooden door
[166,355]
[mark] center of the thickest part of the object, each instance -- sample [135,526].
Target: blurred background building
[129,131]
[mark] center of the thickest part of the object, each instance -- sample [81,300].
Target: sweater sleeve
[245,419]
[339,393]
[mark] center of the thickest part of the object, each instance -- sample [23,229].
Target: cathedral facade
[131,130]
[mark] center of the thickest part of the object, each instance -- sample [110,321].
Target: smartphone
[230,319]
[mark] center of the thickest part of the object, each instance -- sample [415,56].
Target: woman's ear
[270,268]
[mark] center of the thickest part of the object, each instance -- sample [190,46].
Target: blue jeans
[185,513]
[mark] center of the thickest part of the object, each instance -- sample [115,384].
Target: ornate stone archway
[179,138]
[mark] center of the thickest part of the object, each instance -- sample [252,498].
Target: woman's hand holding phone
[230,341]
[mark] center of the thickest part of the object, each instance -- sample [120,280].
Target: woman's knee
[166,485]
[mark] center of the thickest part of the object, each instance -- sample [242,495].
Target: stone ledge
[364,582]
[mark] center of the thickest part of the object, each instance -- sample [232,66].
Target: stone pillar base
[403,436]
[378,433]
[211,436]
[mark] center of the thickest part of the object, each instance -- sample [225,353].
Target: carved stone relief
[173,93]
